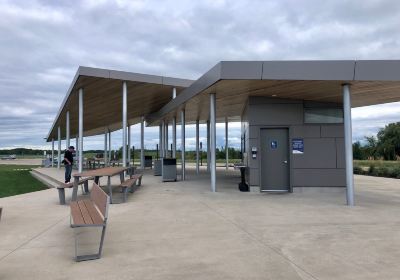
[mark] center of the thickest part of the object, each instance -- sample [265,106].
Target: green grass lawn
[14,181]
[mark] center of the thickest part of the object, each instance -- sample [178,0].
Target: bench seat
[135,180]
[84,212]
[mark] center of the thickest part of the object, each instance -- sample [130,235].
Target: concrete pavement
[183,231]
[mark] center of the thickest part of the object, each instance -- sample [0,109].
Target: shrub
[357,170]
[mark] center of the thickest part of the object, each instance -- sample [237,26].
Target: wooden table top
[107,171]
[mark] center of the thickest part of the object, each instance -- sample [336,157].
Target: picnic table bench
[61,188]
[91,212]
[135,180]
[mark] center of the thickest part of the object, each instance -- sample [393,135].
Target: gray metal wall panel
[276,114]
[258,100]
[375,70]
[254,131]
[305,131]
[314,104]
[340,158]
[253,163]
[318,178]
[318,153]
[308,70]
[243,70]
[332,130]
[254,177]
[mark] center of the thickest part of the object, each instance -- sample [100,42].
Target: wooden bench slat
[93,212]
[100,198]
[71,184]
[128,183]
[76,214]
[85,213]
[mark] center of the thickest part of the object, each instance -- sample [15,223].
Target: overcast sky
[42,43]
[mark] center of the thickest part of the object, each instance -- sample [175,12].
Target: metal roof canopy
[372,82]
[102,99]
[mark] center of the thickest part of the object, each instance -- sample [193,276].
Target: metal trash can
[157,167]
[148,161]
[168,169]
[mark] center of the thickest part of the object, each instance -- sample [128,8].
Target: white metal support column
[129,145]
[183,144]
[76,149]
[166,139]
[142,143]
[109,146]
[174,137]
[348,145]
[226,143]
[105,147]
[80,130]
[59,147]
[67,131]
[208,146]
[197,148]
[52,152]
[213,132]
[160,141]
[124,121]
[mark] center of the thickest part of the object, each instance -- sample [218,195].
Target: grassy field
[16,179]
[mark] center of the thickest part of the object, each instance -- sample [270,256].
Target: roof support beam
[59,147]
[174,137]
[52,152]
[226,143]
[348,144]
[80,130]
[208,146]
[105,146]
[213,132]
[183,144]
[142,143]
[197,148]
[129,145]
[124,120]
[67,131]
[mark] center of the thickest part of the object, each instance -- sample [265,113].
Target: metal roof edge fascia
[208,79]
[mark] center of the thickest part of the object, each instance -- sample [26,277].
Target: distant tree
[371,148]
[389,141]
[358,151]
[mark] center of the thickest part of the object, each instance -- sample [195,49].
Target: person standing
[68,161]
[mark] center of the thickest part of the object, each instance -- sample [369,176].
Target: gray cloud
[43,43]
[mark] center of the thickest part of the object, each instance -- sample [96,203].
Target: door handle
[285,161]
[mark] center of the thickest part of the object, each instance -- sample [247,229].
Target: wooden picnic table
[97,173]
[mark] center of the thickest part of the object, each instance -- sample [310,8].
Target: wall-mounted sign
[297,146]
[274,144]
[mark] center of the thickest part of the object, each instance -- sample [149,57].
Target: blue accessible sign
[297,146]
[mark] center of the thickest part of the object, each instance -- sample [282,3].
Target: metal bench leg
[86,185]
[124,192]
[92,256]
[109,188]
[140,181]
[75,189]
[61,195]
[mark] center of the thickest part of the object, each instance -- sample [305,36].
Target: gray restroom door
[274,159]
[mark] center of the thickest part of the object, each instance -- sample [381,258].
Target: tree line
[385,145]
